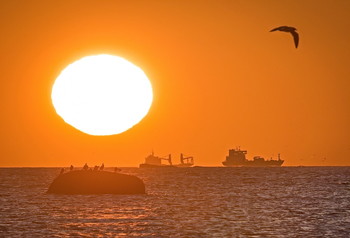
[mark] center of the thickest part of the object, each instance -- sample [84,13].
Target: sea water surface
[183,202]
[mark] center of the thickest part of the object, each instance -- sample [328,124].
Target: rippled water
[186,202]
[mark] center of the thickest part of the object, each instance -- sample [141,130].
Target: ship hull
[185,165]
[271,163]
[165,166]
[156,166]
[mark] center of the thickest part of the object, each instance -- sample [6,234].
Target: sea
[183,202]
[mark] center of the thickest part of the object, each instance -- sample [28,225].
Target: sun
[102,95]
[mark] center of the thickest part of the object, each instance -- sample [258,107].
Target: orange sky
[220,79]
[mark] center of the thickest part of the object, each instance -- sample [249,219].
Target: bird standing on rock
[291,30]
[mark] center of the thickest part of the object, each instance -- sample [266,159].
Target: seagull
[291,30]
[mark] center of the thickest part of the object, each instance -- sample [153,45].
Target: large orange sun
[102,95]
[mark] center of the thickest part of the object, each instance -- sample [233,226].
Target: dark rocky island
[96,182]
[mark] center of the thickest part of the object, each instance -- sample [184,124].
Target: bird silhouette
[291,30]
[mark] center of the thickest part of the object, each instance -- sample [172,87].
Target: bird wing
[281,28]
[296,38]
[275,29]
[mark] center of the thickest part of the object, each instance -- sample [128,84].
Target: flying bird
[291,30]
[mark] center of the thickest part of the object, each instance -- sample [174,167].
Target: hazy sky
[220,79]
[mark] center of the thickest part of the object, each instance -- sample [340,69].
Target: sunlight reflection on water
[188,202]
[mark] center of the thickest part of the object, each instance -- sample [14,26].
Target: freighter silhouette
[236,158]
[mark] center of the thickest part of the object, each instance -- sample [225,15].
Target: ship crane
[188,159]
[168,159]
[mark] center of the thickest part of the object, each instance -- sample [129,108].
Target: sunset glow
[149,118]
[102,95]
[218,79]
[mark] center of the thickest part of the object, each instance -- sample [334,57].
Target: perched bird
[291,30]
[86,167]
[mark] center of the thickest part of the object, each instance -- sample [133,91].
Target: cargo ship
[152,161]
[237,158]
